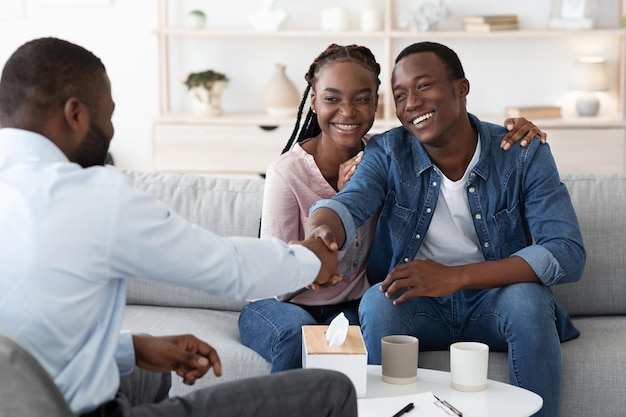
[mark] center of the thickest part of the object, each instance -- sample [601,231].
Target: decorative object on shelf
[489,23]
[590,75]
[334,19]
[195,19]
[267,18]
[207,87]
[371,20]
[281,97]
[423,15]
[573,14]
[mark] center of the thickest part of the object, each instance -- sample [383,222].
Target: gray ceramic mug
[399,359]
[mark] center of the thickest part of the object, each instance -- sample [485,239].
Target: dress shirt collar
[24,144]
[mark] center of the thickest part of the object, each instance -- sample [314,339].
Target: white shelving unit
[243,142]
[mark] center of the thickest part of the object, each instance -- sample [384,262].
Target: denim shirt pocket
[397,216]
[510,226]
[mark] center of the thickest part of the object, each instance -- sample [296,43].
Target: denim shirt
[518,204]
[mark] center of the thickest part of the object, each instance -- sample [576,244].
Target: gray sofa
[594,364]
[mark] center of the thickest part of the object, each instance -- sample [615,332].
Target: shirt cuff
[344,215]
[309,263]
[545,265]
[125,353]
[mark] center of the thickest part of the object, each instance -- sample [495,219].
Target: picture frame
[573,14]
[573,9]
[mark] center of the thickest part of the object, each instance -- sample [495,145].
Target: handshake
[327,254]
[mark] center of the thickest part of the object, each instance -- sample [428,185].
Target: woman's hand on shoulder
[521,129]
[347,169]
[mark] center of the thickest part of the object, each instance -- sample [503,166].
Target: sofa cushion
[217,328]
[599,201]
[228,207]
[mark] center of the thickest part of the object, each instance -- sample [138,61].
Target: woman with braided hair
[317,162]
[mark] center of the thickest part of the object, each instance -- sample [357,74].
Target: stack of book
[490,23]
[534,112]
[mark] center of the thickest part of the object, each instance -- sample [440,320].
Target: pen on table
[449,406]
[406,409]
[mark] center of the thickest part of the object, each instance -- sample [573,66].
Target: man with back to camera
[470,238]
[74,231]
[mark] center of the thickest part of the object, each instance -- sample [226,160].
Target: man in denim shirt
[469,238]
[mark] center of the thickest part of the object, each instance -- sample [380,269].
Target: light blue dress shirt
[70,238]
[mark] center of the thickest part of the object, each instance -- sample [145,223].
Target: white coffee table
[497,400]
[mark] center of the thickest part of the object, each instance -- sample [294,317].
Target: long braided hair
[333,53]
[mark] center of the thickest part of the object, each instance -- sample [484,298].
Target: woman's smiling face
[344,96]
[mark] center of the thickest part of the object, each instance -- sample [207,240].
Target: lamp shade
[590,74]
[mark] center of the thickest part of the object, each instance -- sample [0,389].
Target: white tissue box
[349,358]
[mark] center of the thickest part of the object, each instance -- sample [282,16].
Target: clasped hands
[326,251]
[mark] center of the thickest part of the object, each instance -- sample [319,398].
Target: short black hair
[42,74]
[447,55]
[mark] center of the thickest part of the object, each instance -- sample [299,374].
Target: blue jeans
[273,328]
[519,318]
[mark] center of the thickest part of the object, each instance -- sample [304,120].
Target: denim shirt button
[486,244]
[406,259]
[434,183]
[428,210]
[472,189]
[478,216]
[418,236]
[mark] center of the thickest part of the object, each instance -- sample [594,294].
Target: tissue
[337,330]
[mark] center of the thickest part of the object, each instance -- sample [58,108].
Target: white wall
[121,34]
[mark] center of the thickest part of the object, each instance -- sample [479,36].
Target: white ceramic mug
[399,359]
[468,366]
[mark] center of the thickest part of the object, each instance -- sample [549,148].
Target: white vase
[281,96]
[208,102]
[370,20]
[267,18]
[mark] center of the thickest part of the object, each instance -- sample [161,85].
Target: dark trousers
[302,393]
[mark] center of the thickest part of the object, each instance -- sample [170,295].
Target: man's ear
[463,87]
[77,117]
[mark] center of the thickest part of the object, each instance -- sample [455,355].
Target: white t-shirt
[451,237]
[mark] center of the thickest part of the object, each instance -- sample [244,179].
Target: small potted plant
[207,87]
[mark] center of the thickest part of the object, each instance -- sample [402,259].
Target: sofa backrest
[600,203]
[228,207]
[233,207]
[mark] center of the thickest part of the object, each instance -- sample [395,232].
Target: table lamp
[590,75]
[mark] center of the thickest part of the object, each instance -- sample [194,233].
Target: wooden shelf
[208,141]
[395,34]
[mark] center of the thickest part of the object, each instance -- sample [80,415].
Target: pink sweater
[293,183]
